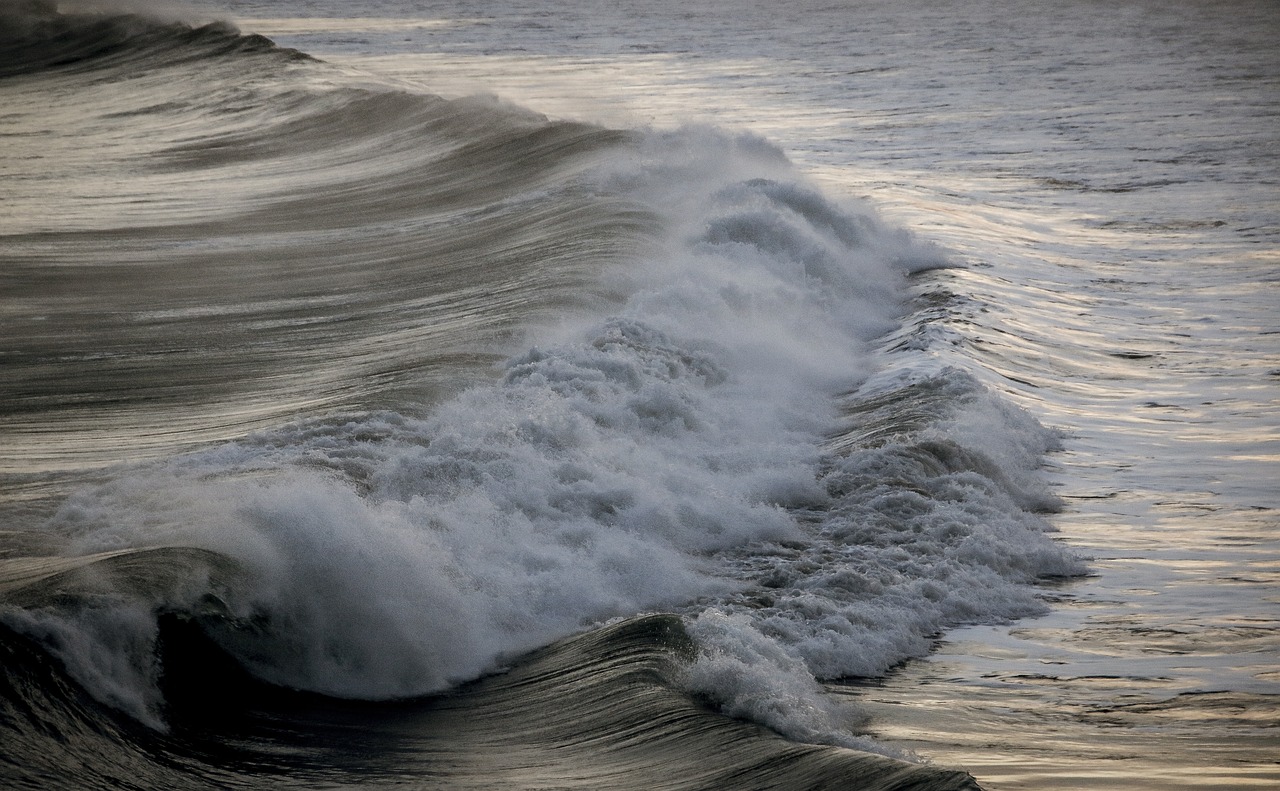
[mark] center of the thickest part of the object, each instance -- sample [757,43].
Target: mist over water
[403,382]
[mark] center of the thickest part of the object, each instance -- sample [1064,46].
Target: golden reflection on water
[1042,730]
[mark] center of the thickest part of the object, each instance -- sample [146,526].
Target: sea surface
[678,395]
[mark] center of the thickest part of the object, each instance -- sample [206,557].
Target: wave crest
[38,35]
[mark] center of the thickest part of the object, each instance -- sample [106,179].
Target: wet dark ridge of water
[599,710]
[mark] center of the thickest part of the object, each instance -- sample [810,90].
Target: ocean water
[692,395]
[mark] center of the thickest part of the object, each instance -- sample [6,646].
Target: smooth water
[779,431]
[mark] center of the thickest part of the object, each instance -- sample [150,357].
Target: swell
[35,36]
[247,243]
[603,709]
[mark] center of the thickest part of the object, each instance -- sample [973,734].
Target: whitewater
[563,396]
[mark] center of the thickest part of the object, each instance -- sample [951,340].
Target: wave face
[602,710]
[366,394]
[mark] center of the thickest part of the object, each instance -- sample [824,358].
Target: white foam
[755,678]
[641,461]
[109,650]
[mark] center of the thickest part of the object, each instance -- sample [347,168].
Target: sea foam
[670,455]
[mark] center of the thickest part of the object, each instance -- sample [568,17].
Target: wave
[36,35]
[406,388]
[230,218]
[603,709]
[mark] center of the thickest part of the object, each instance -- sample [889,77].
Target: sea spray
[667,456]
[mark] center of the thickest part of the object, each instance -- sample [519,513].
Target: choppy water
[378,381]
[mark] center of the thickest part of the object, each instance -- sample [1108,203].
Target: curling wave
[412,387]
